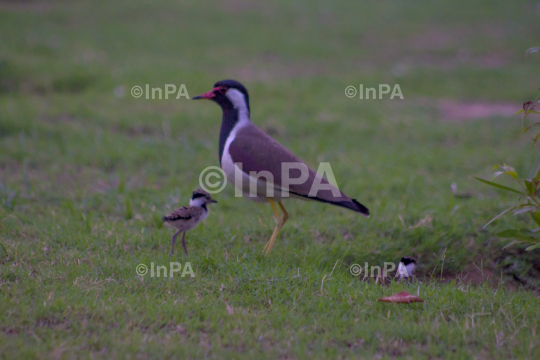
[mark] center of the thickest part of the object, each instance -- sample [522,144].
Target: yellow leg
[276,218]
[285,213]
[280,221]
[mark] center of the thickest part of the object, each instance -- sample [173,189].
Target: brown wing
[259,152]
[184,213]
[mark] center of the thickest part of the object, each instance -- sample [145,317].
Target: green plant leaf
[531,189]
[530,126]
[533,247]
[536,217]
[532,50]
[498,216]
[525,209]
[508,170]
[513,242]
[522,234]
[535,140]
[502,187]
[534,172]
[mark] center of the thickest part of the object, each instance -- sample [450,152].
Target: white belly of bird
[240,180]
[406,270]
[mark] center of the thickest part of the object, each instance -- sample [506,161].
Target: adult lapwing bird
[260,167]
[187,218]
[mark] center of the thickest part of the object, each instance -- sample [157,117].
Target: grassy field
[87,171]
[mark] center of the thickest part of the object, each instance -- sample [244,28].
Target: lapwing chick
[406,267]
[261,167]
[187,218]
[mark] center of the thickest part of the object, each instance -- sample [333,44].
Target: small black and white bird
[244,150]
[406,267]
[187,218]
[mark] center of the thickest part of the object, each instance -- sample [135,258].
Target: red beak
[207,95]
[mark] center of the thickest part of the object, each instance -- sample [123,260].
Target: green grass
[85,176]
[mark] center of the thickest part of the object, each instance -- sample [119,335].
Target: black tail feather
[361,208]
[351,205]
[354,206]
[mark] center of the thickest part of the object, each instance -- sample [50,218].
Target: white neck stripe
[239,102]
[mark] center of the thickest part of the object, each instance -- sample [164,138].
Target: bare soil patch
[462,111]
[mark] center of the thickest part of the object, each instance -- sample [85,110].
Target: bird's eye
[223,89]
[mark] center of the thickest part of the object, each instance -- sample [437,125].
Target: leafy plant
[530,201]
